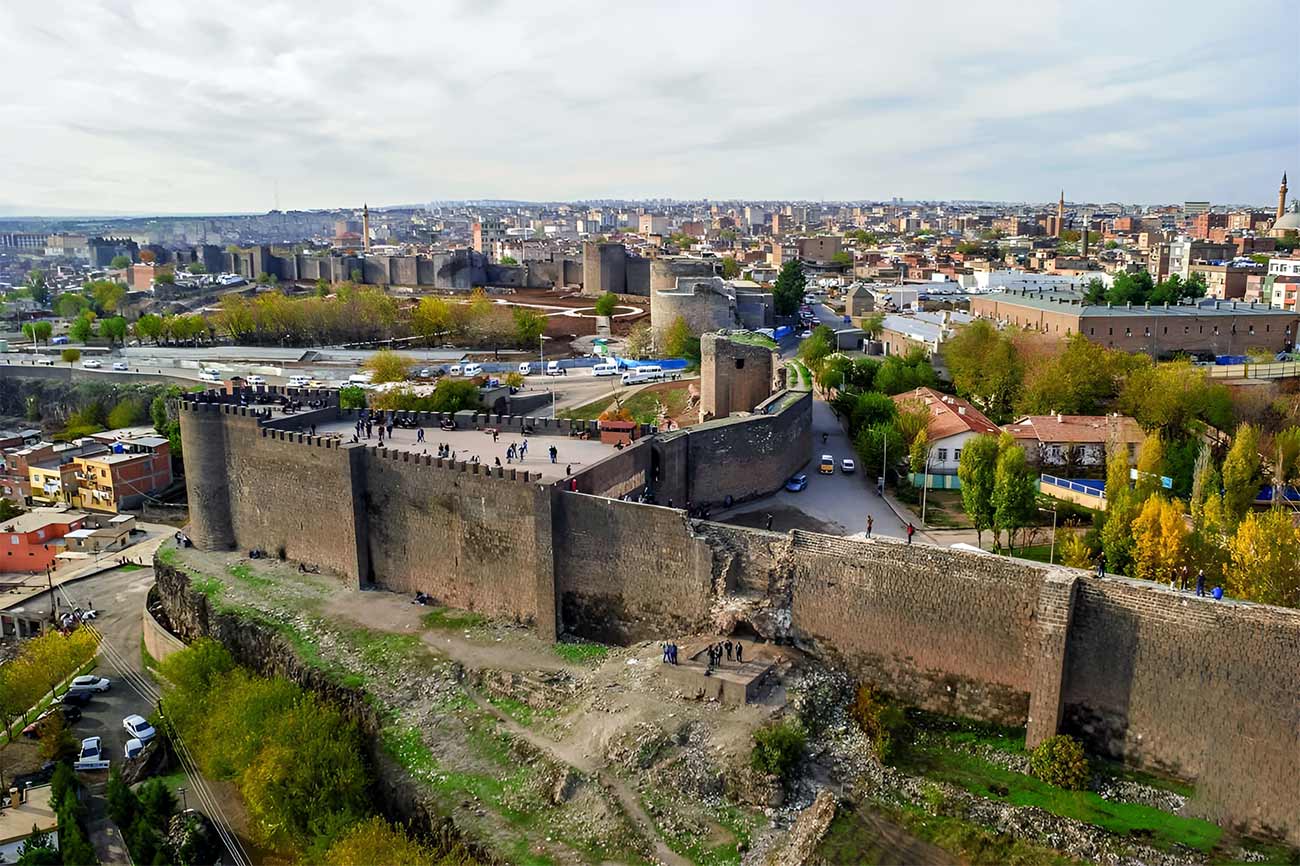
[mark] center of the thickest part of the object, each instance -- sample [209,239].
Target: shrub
[777,748]
[883,721]
[1060,761]
[606,303]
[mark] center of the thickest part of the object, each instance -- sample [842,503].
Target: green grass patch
[447,618]
[386,649]
[212,587]
[146,658]
[131,566]
[738,824]
[854,837]
[520,711]
[587,411]
[166,554]
[581,652]
[245,574]
[985,779]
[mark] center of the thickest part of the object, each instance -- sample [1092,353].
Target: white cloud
[158,105]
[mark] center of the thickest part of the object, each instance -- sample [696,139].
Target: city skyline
[147,108]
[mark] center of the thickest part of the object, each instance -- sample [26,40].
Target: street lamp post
[1051,555]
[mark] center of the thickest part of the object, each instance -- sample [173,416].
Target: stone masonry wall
[944,630]
[626,572]
[1202,689]
[469,540]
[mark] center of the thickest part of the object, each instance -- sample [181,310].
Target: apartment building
[121,478]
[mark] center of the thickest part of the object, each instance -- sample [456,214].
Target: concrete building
[1209,327]
[31,541]
[819,250]
[953,422]
[652,224]
[735,376]
[1176,257]
[485,234]
[1226,281]
[129,472]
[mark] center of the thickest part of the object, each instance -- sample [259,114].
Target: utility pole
[1051,555]
[49,582]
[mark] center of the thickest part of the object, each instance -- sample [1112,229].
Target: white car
[803,335]
[139,728]
[255,380]
[92,364]
[92,683]
[91,756]
[210,376]
[120,365]
[847,466]
[525,368]
[133,748]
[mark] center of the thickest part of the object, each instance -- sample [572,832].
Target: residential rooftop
[1073,302]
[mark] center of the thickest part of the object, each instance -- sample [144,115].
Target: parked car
[138,727]
[425,373]
[92,364]
[209,376]
[525,368]
[120,365]
[826,466]
[91,756]
[797,483]
[75,697]
[255,380]
[805,334]
[92,682]
[847,466]
[133,747]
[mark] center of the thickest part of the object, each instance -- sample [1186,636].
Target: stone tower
[1060,214]
[365,226]
[1281,198]
[734,377]
[1083,237]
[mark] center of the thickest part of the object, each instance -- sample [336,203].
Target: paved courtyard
[572,454]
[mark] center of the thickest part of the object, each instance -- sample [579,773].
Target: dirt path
[584,761]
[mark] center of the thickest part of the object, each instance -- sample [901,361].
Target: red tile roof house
[1071,444]
[953,421]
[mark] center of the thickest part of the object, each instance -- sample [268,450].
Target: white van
[553,368]
[639,375]
[209,376]
[606,369]
[299,381]
[472,370]
[525,369]
[362,379]
[454,370]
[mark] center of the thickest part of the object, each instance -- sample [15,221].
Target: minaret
[365,227]
[1281,198]
[1083,236]
[1060,214]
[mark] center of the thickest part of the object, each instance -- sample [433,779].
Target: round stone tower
[207,480]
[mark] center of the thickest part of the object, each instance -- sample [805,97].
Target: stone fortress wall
[1199,688]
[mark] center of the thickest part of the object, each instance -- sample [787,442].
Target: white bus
[606,369]
[637,375]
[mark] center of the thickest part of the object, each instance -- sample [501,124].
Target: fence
[1090,494]
[1269,370]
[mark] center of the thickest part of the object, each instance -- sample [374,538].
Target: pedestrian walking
[911,530]
[495,436]
[769,522]
[740,652]
[1200,582]
[419,435]
[523,449]
[870,523]
[672,655]
[1101,565]
[554,453]
[727,647]
[568,469]
[667,653]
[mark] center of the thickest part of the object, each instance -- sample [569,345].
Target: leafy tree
[871,407]
[38,849]
[842,259]
[730,268]
[127,413]
[1265,559]
[106,295]
[1121,509]
[1060,761]
[387,366]
[148,256]
[1173,397]
[57,741]
[639,341]
[977,471]
[901,373]
[788,292]
[83,327]
[1150,466]
[352,397]
[114,329]
[1015,489]
[1095,293]
[529,325]
[778,747]
[508,260]
[70,304]
[120,261]
[814,350]
[679,342]
[432,318]
[197,268]
[1074,551]
[149,327]
[1241,473]
[1082,379]
[377,841]
[70,356]
[40,290]
[985,367]
[875,442]
[681,240]
[606,303]
[1285,468]
[1160,539]
[167,278]
[918,454]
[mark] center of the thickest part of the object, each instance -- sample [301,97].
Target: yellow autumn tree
[1265,559]
[1160,539]
[377,841]
[1075,552]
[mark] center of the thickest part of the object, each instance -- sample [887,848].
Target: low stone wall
[158,641]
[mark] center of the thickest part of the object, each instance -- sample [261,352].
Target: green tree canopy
[977,471]
[606,303]
[120,261]
[788,292]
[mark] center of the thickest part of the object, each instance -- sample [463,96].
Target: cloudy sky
[177,106]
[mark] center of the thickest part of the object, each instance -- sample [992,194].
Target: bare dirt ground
[542,752]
